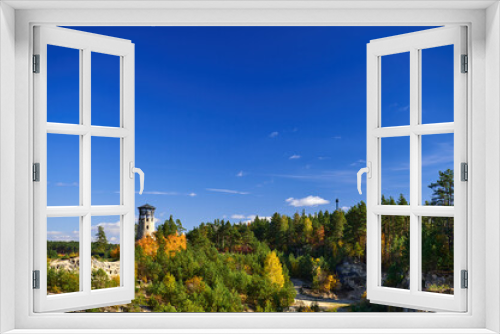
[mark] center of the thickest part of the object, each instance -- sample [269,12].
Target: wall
[7,159]
[492,163]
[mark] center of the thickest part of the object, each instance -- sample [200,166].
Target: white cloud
[63,235]
[240,174]
[63,184]
[359,162]
[323,158]
[154,192]
[295,156]
[274,134]
[227,191]
[442,155]
[330,176]
[337,137]
[112,231]
[307,201]
[167,193]
[251,218]
[345,208]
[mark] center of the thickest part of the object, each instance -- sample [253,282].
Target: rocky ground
[73,263]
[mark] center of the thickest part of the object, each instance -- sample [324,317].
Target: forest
[221,266]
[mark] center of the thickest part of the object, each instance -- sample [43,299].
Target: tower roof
[147,206]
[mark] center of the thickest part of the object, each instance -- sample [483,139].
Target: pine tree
[442,189]
[101,240]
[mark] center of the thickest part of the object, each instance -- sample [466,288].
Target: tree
[273,270]
[443,189]
[101,240]
[443,194]
[338,221]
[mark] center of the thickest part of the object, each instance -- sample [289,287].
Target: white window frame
[85,43]
[414,43]
[482,19]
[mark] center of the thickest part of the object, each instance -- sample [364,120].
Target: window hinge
[36,172]
[464,171]
[465,279]
[36,63]
[36,279]
[465,64]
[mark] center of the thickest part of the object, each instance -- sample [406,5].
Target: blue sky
[233,122]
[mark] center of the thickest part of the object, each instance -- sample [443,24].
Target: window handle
[139,171]
[368,171]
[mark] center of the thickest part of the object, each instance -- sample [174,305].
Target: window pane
[63,85]
[437,254]
[437,84]
[105,171]
[395,95]
[105,89]
[395,246]
[106,233]
[63,247]
[395,171]
[63,170]
[437,170]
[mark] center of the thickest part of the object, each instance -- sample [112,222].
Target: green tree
[443,189]
[443,195]
[101,240]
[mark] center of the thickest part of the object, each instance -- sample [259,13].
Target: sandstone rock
[111,268]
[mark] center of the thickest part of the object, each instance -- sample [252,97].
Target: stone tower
[146,221]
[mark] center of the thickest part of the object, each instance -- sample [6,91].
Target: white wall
[7,163]
[492,165]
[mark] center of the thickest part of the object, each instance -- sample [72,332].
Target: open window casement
[414,295]
[84,294]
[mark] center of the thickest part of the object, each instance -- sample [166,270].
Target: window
[414,132]
[481,99]
[312,249]
[67,130]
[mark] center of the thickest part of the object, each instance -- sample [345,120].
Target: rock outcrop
[73,263]
[352,276]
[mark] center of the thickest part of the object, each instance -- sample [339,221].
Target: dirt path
[325,303]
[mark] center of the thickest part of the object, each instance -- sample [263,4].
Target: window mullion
[85,168]
[414,168]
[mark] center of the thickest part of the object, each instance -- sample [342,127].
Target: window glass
[105,252]
[437,76]
[395,246]
[105,90]
[63,85]
[395,171]
[437,254]
[437,170]
[63,255]
[106,171]
[395,95]
[63,170]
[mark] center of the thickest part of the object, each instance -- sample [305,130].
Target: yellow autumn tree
[173,243]
[273,269]
[115,253]
[195,284]
[308,228]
